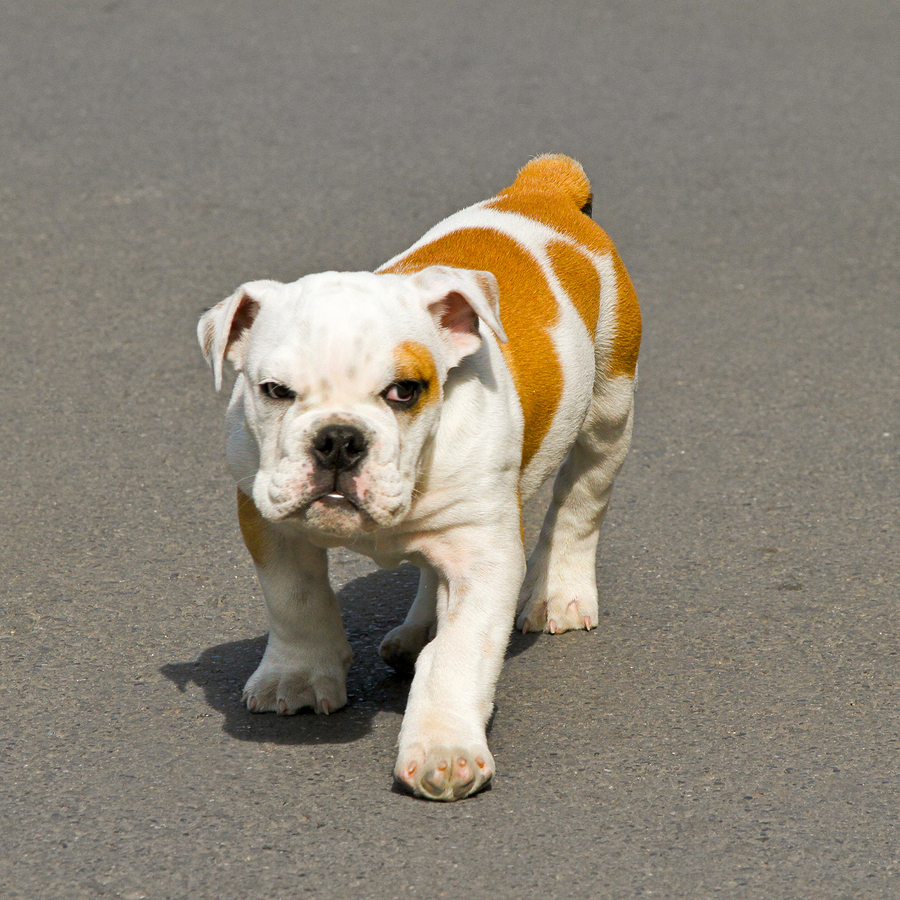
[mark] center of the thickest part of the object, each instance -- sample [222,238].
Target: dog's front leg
[443,752]
[307,657]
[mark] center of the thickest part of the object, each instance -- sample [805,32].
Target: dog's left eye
[277,391]
[403,394]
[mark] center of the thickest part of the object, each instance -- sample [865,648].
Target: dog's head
[341,379]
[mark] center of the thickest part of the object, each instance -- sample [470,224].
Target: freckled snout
[339,448]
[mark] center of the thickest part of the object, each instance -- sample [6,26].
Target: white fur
[441,488]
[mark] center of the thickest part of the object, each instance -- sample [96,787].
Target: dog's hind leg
[560,588]
[402,645]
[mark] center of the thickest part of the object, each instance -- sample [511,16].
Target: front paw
[286,685]
[444,772]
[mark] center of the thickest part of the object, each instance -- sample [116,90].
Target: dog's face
[340,386]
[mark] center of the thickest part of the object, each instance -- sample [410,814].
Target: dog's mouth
[332,512]
[327,500]
[335,500]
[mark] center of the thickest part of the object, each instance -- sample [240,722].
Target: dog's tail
[558,174]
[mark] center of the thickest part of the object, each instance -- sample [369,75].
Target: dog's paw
[443,772]
[401,647]
[285,688]
[558,612]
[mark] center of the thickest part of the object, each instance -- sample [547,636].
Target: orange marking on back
[552,190]
[527,308]
[547,190]
[413,362]
[627,341]
[253,529]
[580,280]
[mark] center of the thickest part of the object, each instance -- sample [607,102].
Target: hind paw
[558,614]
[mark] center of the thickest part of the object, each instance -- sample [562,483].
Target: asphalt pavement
[732,728]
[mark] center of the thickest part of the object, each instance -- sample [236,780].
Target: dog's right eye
[277,391]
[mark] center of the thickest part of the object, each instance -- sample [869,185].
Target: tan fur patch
[551,190]
[627,342]
[559,211]
[413,362]
[580,279]
[253,529]
[527,308]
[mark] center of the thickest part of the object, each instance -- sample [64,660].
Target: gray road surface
[731,729]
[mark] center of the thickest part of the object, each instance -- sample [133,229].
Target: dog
[407,414]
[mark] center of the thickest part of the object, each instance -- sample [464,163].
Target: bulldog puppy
[408,414]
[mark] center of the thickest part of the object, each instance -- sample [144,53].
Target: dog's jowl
[408,413]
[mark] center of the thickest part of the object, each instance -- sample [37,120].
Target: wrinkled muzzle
[338,475]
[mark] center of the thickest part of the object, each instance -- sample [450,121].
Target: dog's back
[563,291]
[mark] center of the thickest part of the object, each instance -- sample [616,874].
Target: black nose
[339,447]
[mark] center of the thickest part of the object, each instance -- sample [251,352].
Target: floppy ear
[457,299]
[223,330]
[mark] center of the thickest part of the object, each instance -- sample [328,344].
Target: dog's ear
[223,330]
[457,299]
